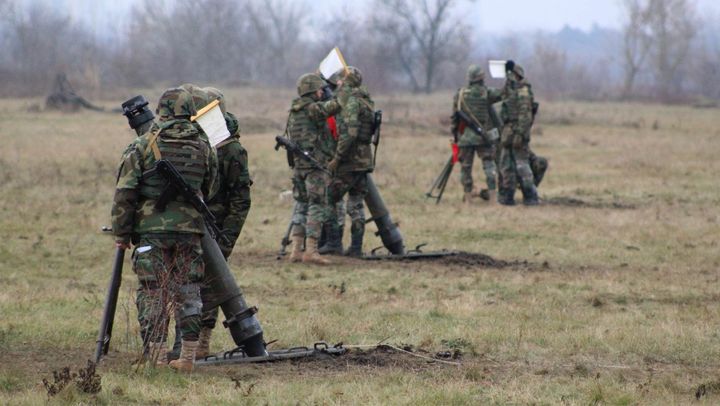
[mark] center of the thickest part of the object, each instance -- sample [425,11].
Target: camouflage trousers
[467,156]
[354,184]
[515,160]
[169,268]
[310,191]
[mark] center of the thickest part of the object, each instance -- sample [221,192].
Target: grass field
[606,294]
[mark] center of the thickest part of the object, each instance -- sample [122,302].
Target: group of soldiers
[518,165]
[332,121]
[167,258]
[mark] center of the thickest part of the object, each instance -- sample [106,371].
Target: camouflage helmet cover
[309,83]
[353,77]
[199,95]
[175,103]
[519,72]
[215,94]
[475,73]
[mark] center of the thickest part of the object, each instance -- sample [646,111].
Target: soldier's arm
[351,125]
[127,194]
[453,120]
[525,118]
[494,95]
[211,183]
[237,178]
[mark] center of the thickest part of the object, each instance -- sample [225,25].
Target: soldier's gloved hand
[333,165]
[509,65]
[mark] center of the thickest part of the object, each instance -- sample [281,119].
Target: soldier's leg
[152,300]
[524,173]
[299,219]
[318,213]
[356,211]
[333,228]
[466,156]
[506,194]
[188,273]
[487,154]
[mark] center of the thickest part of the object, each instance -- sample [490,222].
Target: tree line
[665,50]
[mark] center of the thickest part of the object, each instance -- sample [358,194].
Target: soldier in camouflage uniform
[307,126]
[517,114]
[353,156]
[475,100]
[167,257]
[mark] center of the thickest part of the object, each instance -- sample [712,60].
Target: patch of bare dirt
[597,204]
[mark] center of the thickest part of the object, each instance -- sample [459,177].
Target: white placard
[332,63]
[497,69]
[212,121]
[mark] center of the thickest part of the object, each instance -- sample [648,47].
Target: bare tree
[277,29]
[662,30]
[636,42]
[420,36]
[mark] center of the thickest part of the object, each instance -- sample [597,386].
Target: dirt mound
[382,356]
[597,204]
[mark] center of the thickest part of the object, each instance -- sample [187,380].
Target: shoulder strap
[461,102]
[152,143]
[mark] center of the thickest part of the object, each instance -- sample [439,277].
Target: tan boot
[158,352]
[468,198]
[296,254]
[312,256]
[203,349]
[187,357]
[492,196]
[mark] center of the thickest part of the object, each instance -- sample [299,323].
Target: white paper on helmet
[212,121]
[497,69]
[333,63]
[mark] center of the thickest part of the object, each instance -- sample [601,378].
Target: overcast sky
[495,16]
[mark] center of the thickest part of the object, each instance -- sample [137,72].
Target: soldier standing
[307,126]
[517,114]
[167,257]
[475,100]
[353,156]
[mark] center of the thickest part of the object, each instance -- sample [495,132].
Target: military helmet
[333,79]
[199,95]
[519,71]
[475,73]
[353,77]
[175,103]
[309,83]
[215,94]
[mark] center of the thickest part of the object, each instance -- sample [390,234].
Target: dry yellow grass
[625,312]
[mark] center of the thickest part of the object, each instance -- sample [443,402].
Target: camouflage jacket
[231,204]
[133,210]
[355,127]
[307,126]
[517,107]
[475,100]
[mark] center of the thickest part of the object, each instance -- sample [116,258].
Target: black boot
[324,234]
[506,197]
[530,196]
[357,232]
[333,244]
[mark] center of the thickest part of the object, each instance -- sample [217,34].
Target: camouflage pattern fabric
[231,204]
[475,100]
[310,189]
[307,126]
[169,268]
[467,156]
[355,123]
[354,184]
[133,211]
[515,138]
